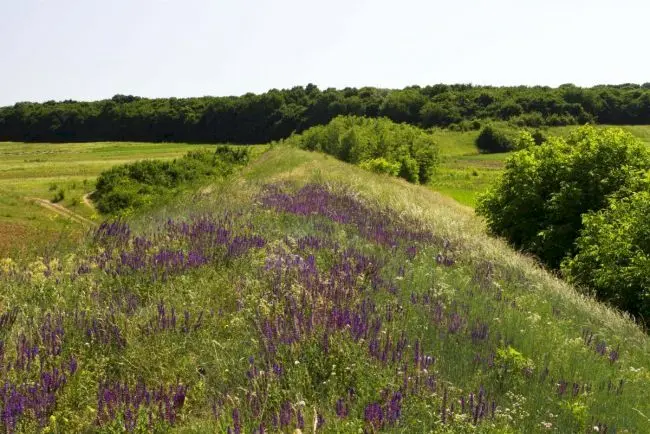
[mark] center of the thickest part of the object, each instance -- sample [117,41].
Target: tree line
[260,118]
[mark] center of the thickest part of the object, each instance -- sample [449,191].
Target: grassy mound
[308,294]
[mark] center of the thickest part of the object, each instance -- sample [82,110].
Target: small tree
[492,140]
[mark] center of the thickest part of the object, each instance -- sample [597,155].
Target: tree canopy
[273,115]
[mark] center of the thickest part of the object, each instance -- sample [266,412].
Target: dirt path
[87,202]
[65,212]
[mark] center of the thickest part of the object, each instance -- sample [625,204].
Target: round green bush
[493,140]
[538,202]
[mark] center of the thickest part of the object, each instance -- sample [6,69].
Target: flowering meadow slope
[309,295]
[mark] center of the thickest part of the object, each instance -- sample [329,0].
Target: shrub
[131,186]
[59,196]
[539,137]
[533,119]
[528,139]
[380,165]
[613,255]
[494,140]
[410,169]
[538,202]
[558,120]
[234,155]
[465,125]
[375,144]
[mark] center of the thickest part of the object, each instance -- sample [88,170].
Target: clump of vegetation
[59,195]
[581,204]
[380,165]
[539,201]
[613,254]
[74,201]
[493,140]
[131,186]
[379,145]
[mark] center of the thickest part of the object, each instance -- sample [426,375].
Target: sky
[94,49]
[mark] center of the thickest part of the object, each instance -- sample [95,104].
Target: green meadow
[41,170]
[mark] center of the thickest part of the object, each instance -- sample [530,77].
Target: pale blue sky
[92,49]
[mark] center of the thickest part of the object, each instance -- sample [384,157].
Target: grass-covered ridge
[307,292]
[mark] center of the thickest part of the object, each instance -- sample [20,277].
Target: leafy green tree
[493,140]
[538,202]
[403,105]
[439,114]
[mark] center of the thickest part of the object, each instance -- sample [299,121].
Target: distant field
[30,171]
[464,172]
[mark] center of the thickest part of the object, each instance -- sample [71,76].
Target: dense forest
[276,114]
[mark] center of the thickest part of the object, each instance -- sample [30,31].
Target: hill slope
[309,294]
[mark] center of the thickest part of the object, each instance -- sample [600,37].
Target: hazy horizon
[85,51]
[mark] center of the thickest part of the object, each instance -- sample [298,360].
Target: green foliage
[613,255]
[511,367]
[524,141]
[379,145]
[538,137]
[533,119]
[276,114]
[539,201]
[493,140]
[131,186]
[409,169]
[59,195]
[380,165]
[234,156]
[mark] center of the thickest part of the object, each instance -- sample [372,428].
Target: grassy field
[29,171]
[309,294]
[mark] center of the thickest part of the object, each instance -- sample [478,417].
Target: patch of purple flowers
[120,400]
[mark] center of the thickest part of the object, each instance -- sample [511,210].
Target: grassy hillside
[309,294]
